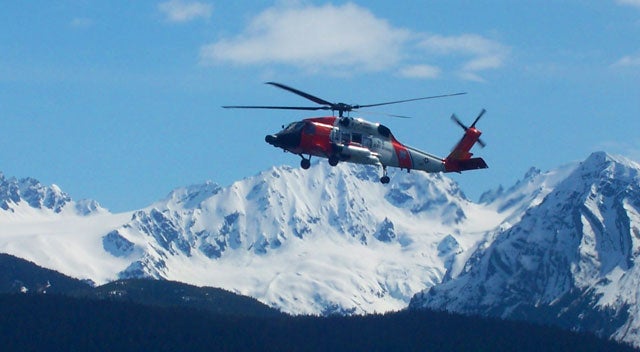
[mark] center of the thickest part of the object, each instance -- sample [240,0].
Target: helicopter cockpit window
[294,127]
[309,128]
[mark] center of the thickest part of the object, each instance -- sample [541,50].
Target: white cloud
[628,61]
[349,38]
[81,22]
[635,3]
[313,37]
[181,11]
[420,71]
[476,52]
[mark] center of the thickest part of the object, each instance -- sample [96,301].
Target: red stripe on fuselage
[404,156]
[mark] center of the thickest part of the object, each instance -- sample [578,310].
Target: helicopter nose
[271,139]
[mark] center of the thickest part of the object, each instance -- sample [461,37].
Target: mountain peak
[601,164]
[30,192]
[571,256]
[191,196]
[600,157]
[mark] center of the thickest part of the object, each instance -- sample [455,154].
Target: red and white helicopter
[346,139]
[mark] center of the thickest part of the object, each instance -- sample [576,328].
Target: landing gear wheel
[333,160]
[384,179]
[305,163]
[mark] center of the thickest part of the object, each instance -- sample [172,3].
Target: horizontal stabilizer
[453,165]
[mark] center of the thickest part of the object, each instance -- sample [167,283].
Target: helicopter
[355,140]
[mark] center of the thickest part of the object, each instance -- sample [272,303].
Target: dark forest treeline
[62,323]
[60,313]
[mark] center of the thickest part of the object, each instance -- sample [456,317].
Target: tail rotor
[473,125]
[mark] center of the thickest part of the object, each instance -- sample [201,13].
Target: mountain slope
[18,275]
[171,294]
[568,262]
[325,240]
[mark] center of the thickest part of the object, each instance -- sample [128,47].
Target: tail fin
[460,158]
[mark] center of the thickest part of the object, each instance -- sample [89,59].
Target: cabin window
[346,138]
[356,138]
[367,142]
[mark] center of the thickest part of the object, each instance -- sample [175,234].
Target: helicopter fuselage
[360,141]
[352,140]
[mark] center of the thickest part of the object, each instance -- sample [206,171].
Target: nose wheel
[384,179]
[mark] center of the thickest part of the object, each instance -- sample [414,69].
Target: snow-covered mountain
[569,261]
[325,240]
[334,240]
[44,225]
[29,193]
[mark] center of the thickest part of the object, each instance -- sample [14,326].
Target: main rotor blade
[301,93]
[368,112]
[406,100]
[277,107]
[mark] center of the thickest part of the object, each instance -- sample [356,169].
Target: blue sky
[121,101]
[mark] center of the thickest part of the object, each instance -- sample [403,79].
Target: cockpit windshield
[293,127]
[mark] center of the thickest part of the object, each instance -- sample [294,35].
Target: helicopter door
[356,138]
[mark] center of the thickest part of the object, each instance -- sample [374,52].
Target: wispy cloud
[349,38]
[474,52]
[635,3]
[628,61]
[81,22]
[420,71]
[182,11]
